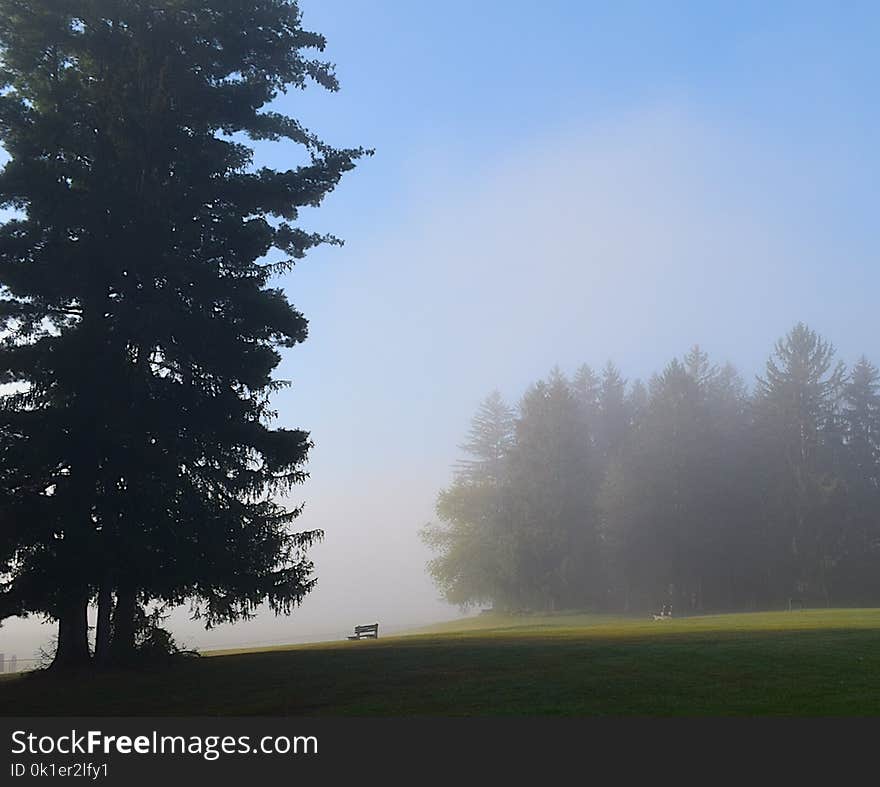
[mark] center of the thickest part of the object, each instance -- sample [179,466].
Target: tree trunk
[73,635]
[122,647]
[103,629]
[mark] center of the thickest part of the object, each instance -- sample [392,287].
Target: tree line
[139,325]
[691,490]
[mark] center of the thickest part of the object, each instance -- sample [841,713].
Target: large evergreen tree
[142,328]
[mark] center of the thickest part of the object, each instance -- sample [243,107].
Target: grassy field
[794,663]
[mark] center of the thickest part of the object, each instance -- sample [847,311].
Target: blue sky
[448,94]
[554,182]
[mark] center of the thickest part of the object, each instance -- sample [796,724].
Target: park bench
[370,631]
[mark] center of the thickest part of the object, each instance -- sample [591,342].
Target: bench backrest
[372,628]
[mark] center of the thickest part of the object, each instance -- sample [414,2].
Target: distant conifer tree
[797,405]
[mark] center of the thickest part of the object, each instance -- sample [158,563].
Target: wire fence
[13,663]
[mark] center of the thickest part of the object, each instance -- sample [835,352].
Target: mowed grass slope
[794,663]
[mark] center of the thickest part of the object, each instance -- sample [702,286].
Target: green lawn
[814,662]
